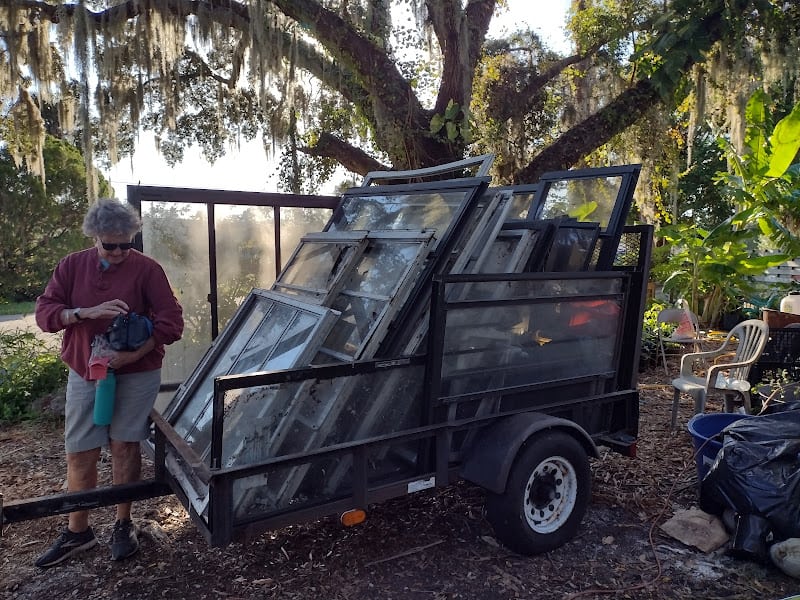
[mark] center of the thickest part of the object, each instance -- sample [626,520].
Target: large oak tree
[371,84]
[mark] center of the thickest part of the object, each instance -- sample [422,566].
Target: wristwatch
[77,313]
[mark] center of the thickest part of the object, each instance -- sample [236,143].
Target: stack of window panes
[333,302]
[360,290]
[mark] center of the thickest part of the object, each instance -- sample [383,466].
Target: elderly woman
[87,291]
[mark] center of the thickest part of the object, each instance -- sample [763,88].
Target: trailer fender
[488,462]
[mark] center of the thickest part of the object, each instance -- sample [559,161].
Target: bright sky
[249,169]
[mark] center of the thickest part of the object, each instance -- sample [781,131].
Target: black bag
[129,332]
[757,472]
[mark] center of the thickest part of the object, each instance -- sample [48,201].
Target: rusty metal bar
[57,504]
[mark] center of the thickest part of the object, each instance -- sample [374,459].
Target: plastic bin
[704,428]
[776,319]
[780,360]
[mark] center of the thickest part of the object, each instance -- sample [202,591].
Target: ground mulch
[434,544]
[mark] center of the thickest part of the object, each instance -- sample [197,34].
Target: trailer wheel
[546,495]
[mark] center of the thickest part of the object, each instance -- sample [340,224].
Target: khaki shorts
[135,395]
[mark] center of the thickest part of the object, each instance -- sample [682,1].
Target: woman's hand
[121,358]
[106,310]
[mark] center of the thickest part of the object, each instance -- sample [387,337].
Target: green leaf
[582,212]
[756,115]
[785,143]
[759,264]
[437,122]
[451,111]
[452,131]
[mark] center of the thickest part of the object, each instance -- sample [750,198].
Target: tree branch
[228,12]
[361,71]
[376,72]
[591,133]
[331,74]
[352,158]
[206,71]
[333,32]
[556,68]
[629,106]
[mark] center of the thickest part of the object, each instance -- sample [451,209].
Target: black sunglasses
[112,247]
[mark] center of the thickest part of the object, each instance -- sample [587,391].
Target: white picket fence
[785,273]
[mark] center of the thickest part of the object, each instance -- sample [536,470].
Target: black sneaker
[124,542]
[68,544]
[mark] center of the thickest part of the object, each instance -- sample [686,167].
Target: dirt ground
[434,544]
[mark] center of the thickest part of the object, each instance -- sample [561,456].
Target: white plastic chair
[722,370]
[676,316]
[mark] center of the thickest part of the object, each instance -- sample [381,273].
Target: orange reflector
[631,452]
[353,517]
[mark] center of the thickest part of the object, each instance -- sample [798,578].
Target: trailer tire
[546,495]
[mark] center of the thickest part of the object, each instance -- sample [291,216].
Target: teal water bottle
[104,399]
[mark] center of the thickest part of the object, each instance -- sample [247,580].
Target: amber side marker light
[631,451]
[353,517]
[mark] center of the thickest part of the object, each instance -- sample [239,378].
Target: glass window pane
[175,234]
[420,210]
[352,329]
[519,345]
[571,249]
[367,294]
[558,329]
[255,421]
[262,342]
[585,200]
[527,289]
[297,222]
[271,421]
[268,333]
[521,205]
[382,267]
[245,246]
[292,344]
[316,265]
[506,254]
[226,350]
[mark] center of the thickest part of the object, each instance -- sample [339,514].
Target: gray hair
[109,216]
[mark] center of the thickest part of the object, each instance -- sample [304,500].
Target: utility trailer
[433,331]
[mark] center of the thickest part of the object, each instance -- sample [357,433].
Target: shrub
[650,327]
[28,371]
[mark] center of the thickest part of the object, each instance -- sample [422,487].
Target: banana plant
[715,270]
[764,181]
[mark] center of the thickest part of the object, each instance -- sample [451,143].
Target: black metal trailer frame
[483,435]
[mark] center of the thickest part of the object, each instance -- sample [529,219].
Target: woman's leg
[81,475]
[126,462]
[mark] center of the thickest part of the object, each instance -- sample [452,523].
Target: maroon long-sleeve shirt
[81,281]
